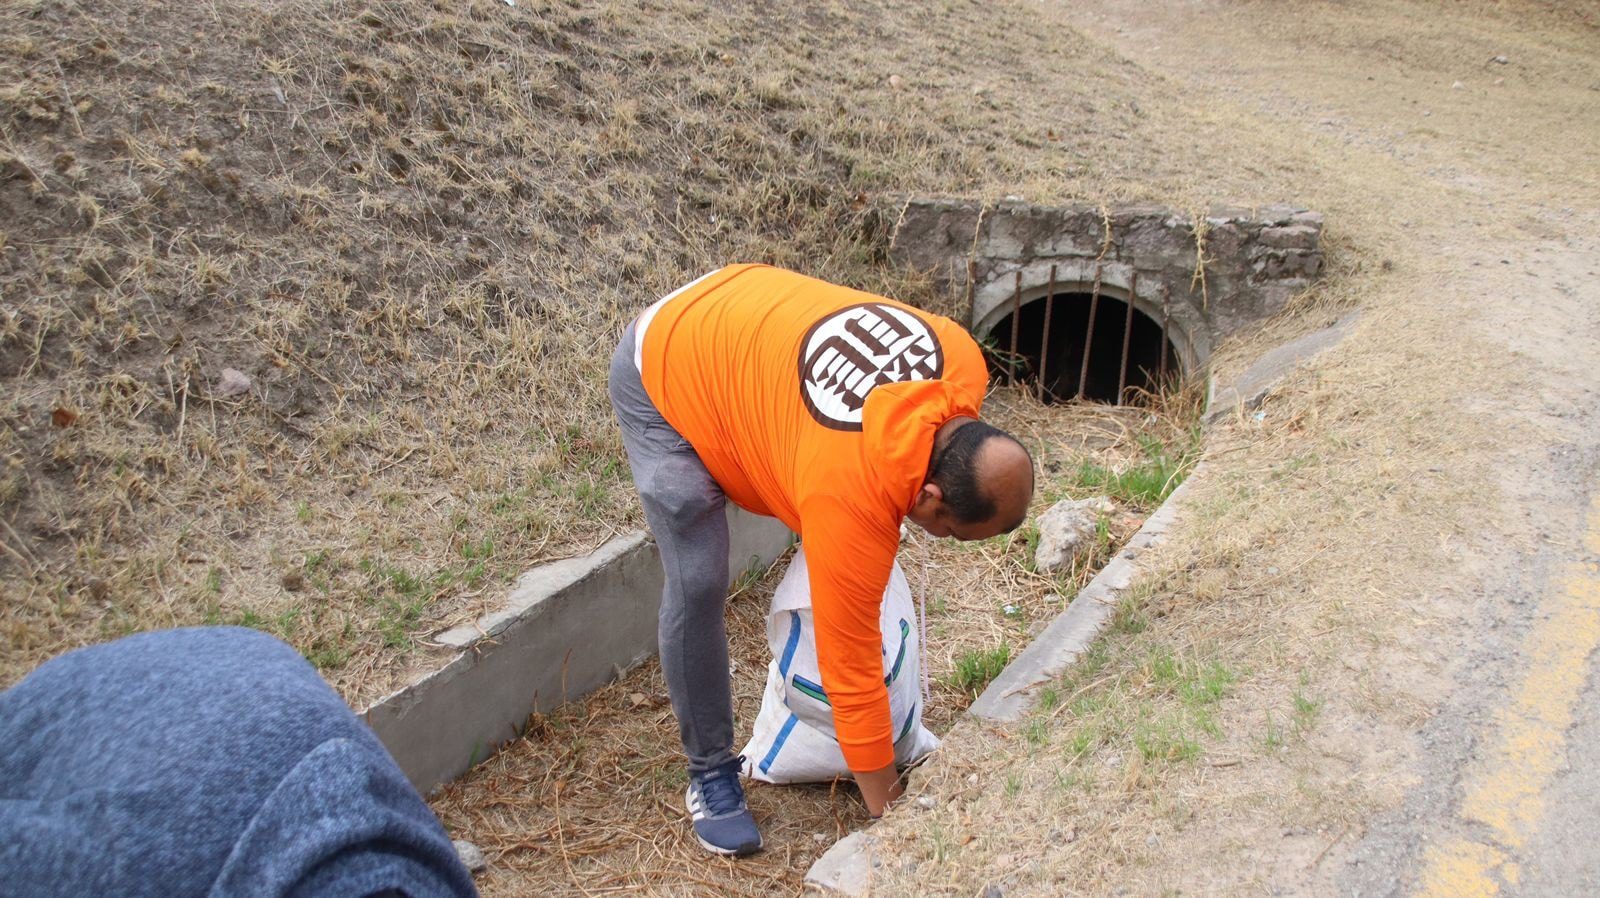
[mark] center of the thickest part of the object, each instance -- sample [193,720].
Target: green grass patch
[1166,739]
[976,667]
[1144,484]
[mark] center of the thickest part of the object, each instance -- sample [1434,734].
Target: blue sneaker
[722,821]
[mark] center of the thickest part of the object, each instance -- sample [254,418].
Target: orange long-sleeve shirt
[817,404]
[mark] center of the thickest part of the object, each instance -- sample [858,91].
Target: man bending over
[838,412]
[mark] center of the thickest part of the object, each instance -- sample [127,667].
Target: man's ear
[930,491]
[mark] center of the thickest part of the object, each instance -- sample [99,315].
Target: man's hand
[879,788]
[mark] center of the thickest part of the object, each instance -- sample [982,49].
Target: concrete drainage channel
[572,626]
[567,628]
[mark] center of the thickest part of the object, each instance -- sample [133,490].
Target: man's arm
[879,788]
[850,556]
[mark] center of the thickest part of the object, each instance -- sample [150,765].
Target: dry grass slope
[417,226]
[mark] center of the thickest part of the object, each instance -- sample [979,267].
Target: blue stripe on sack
[814,690]
[910,718]
[789,647]
[900,656]
[777,744]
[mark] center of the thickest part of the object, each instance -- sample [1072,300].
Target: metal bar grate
[1016,321]
[1044,344]
[1088,332]
[1127,336]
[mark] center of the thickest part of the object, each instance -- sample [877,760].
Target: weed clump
[976,667]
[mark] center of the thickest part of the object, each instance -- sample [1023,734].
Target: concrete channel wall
[566,629]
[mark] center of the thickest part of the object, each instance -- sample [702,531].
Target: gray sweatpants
[684,507]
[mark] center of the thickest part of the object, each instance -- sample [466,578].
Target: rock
[471,857]
[927,802]
[846,868]
[1499,60]
[233,382]
[1299,236]
[993,890]
[1067,529]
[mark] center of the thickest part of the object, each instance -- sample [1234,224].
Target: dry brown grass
[417,228]
[591,800]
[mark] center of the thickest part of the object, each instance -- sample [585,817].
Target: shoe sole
[727,852]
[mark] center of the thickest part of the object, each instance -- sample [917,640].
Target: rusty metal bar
[972,287]
[1088,332]
[1127,336]
[1166,321]
[1044,341]
[1016,321]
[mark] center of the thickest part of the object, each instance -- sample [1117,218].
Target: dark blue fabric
[209,761]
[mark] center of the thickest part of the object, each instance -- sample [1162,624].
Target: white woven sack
[794,739]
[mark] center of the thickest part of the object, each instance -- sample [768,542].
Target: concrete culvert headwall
[1191,281]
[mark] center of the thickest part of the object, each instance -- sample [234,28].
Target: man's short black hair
[954,470]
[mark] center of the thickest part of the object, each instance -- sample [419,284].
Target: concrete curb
[1248,392]
[1011,694]
[567,628]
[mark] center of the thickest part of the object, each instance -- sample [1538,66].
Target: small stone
[993,890]
[846,868]
[1499,60]
[1457,86]
[233,382]
[927,802]
[1067,529]
[471,857]
[1299,236]
[1152,840]
[636,699]
[819,838]
[1063,836]
[294,581]
[895,81]
[972,779]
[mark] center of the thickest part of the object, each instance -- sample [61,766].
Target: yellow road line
[1507,793]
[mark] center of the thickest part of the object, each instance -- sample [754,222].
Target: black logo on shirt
[848,353]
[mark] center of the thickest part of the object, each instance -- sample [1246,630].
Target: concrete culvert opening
[1126,353]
